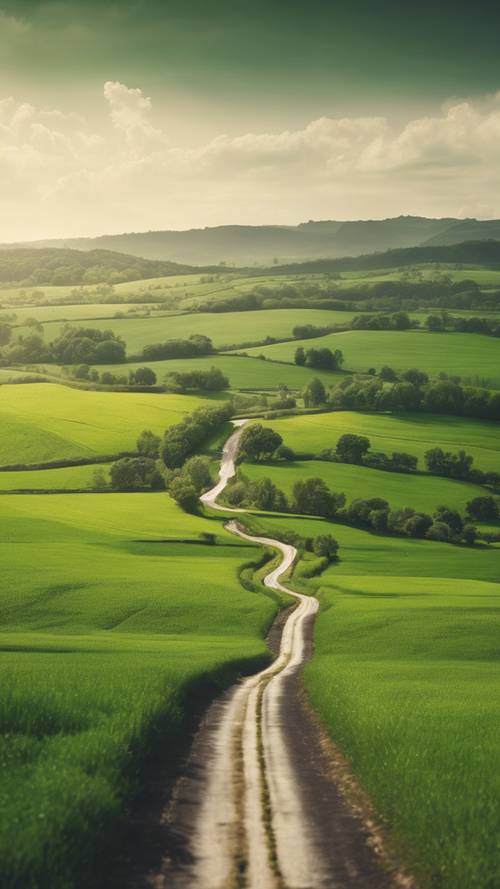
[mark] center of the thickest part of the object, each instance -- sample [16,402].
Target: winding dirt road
[262,801]
[252,817]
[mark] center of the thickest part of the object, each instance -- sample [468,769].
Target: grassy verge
[119,624]
[405,678]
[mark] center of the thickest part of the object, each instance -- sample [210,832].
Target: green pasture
[243,373]
[422,492]
[67,477]
[117,621]
[224,328]
[462,354]
[405,676]
[411,433]
[485,277]
[71,313]
[44,421]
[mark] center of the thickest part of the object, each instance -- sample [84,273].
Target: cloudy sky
[184,113]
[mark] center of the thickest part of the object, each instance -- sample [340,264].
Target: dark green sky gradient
[350,52]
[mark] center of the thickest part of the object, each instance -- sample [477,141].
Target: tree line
[411,391]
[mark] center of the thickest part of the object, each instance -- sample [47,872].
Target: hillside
[485,252]
[29,266]
[263,244]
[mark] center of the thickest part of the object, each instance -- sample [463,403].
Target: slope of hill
[29,266]
[261,244]
[468,253]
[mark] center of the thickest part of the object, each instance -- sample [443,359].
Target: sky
[166,114]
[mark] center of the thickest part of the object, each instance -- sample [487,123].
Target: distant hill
[266,244]
[485,253]
[34,267]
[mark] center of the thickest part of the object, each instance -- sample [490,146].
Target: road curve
[252,830]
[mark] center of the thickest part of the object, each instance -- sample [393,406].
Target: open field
[422,492]
[462,354]
[108,642]
[44,421]
[412,433]
[243,373]
[67,477]
[224,328]
[487,278]
[78,312]
[405,678]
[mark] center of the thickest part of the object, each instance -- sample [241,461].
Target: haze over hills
[262,245]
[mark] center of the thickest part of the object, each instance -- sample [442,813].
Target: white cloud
[61,176]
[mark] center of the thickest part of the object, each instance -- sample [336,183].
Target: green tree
[483,509]
[314,394]
[351,448]
[300,356]
[148,444]
[143,376]
[312,497]
[258,442]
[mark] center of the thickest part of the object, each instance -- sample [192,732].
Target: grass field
[243,373]
[463,354]
[68,477]
[405,677]
[78,312]
[43,422]
[412,433]
[224,328]
[108,640]
[423,493]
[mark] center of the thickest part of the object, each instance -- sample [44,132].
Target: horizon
[292,225]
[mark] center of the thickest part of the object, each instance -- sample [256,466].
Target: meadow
[422,492]
[461,354]
[45,422]
[63,478]
[122,615]
[223,328]
[117,622]
[242,373]
[405,678]
[411,433]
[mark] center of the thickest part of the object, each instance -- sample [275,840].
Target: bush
[326,545]
[483,509]
[143,376]
[132,473]
[212,380]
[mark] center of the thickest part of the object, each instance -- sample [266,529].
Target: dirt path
[261,804]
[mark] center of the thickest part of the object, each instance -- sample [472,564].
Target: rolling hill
[262,244]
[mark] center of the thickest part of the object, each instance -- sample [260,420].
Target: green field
[411,433]
[462,354]
[122,615]
[223,328]
[81,312]
[243,373]
[106,637]
[65,478]
[405,677]
[44,422]
[422,492]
